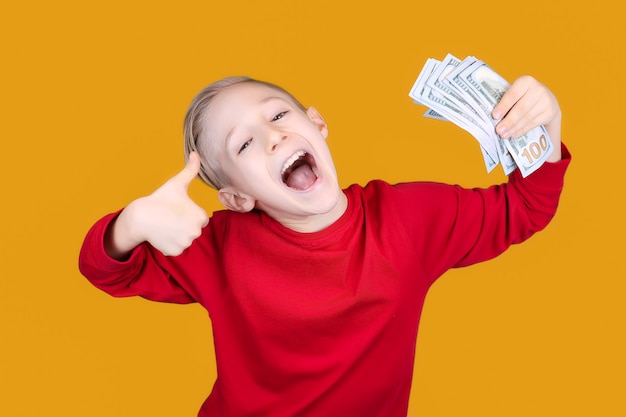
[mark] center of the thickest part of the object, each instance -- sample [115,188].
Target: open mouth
[300,171]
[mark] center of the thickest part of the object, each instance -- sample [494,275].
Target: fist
[168,219]
[525,105]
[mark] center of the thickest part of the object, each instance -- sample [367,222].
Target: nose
[275,139]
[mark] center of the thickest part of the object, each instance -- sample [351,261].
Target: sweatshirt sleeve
[455,227]
[142,274]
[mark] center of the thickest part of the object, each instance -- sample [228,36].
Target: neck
[317,222]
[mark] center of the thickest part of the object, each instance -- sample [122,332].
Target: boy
[314,292]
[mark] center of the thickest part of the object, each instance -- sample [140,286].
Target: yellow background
[92,100]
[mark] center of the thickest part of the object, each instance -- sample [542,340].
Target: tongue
[301,178]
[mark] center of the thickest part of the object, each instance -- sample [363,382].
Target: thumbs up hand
[168,219]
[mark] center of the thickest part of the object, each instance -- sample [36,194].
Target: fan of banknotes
[465,92]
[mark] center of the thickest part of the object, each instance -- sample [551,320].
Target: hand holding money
[475,98]
[525,105]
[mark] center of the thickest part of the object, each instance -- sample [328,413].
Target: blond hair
[194,128]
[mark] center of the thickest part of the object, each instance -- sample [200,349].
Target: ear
[234,200]
[317,120]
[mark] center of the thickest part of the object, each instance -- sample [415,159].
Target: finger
[529,112]
[517,124]
[515,92]
[189,172]
[524,121]
[520,104]
[518,116]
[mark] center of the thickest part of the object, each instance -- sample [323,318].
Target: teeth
[293,158]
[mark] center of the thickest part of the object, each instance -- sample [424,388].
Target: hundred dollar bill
[430,113]
[472,113]
[455,80]
[529,150]
[439,104]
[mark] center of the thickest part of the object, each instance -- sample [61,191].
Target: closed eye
[279,116]
[244,146]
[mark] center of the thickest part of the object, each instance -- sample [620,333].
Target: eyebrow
[228,135]
[270,98]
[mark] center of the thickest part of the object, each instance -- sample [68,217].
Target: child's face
[275,155]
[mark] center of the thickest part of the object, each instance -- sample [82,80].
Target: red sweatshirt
[324,324]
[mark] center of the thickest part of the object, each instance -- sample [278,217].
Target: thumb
[189,172]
